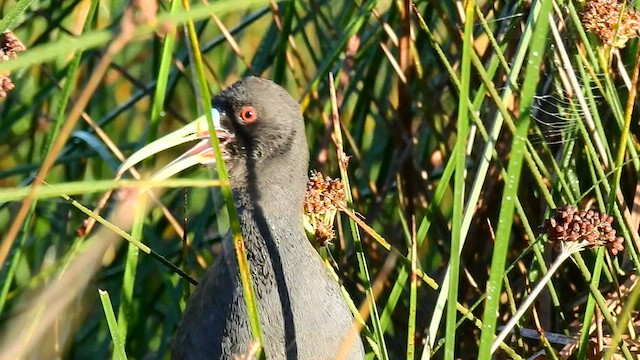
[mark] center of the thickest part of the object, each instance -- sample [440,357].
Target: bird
[302,312]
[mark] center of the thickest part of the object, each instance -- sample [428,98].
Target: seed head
[570,224]
[323,199]
[10,46]
[601,17]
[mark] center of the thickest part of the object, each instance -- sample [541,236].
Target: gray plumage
[302,312]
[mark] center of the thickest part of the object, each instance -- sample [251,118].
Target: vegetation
[466,125]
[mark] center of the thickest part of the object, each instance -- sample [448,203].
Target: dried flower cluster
[594,229]
[10,45]
[323,198]
[601,17]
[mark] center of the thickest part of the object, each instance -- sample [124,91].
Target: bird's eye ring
[248,114]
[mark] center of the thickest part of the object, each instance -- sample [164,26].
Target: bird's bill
[201,153]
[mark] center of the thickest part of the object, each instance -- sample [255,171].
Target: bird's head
[260,129]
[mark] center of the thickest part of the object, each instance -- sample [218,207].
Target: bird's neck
[271,200]
[272,225]
[274,187]
[276,197]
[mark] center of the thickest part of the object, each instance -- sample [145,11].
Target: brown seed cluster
[323,199]
[10,45]
[569,223]
[601,17]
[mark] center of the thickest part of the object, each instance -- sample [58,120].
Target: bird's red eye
[249,114]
